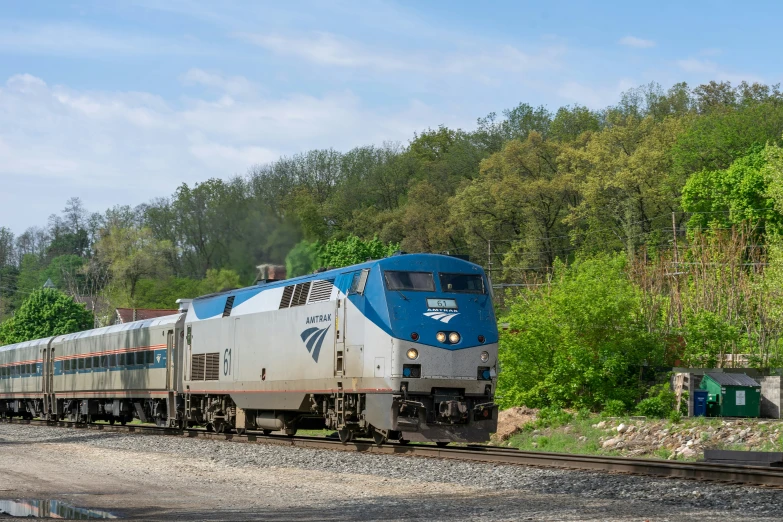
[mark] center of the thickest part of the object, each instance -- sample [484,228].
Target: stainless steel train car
[402,348]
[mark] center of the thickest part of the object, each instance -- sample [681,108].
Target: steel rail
[731,473]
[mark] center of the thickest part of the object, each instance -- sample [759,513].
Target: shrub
[583,414]
[614,408]
[653,407]
[675,416]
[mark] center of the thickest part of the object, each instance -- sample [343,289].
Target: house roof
[128,315]
[732,379]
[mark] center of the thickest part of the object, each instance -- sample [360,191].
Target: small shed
[732,395]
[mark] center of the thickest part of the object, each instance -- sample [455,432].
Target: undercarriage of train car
[23,408]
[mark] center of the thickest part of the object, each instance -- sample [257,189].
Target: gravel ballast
[149,476]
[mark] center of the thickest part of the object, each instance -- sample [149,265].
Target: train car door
[47,374]
[170,358]
[353,314]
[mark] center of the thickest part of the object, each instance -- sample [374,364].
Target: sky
[121,102]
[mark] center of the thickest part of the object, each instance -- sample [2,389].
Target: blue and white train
[401,348]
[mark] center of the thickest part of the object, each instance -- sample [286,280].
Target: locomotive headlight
[413,353]
[441,337]
[484,356]
[453,337]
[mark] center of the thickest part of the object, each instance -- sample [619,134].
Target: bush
[583,414]
[653,407]
[614,408]
[675,416]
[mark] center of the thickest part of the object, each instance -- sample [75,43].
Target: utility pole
[674,237]
[489,261]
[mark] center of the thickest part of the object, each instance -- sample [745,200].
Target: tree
[45,313]
[353,250]
[723,198]
[303,259]
[577,342]
[131,255]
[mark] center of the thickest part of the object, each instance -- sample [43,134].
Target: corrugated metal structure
[732,395]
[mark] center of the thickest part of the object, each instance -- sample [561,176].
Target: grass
[556,434]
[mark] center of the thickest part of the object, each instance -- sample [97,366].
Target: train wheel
[345,435]
[111,421]
[220,427]
[210,427]
[379,438]
[267,432]
[442,444]
[241,431]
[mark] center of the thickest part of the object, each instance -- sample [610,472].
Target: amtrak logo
[158,358]
[313,339]
[439,315]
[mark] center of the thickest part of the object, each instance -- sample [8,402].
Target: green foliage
[353,250]
[614,408]
[577,342]
[45,313]
[659,404]
[303,259]
[731,196]
[708,338]
[552,417]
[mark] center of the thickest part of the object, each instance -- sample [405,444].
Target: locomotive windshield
[418,281]
[462,283]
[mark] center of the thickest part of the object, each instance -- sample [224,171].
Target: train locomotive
[401,348]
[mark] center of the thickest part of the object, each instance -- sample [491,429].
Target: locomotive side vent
[212,367]
[300,295]
[285,301]
[229,306]
[321,291]
[197,366]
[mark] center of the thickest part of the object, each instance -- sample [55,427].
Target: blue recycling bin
[700,403]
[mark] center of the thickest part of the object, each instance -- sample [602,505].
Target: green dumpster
[731,395]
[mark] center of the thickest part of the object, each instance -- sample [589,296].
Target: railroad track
[728,473]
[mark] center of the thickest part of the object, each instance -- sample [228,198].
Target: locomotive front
[444,348]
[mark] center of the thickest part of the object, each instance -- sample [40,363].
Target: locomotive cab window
[416,281]
[462,283]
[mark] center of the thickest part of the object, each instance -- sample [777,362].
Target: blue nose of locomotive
[439,301]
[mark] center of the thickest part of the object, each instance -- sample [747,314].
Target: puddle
[49,509]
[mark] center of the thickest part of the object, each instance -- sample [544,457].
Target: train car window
[66,366]
[104,361]
[113,360]
[96,362]
[121,359]
[417,281]
[150,356]
[81,363]
[462,283]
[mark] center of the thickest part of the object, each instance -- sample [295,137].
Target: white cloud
[330,50]
[632,41]
[707,70]
[594,97]
[128,147]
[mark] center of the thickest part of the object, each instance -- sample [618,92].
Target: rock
[688,453]
[567,429]
[582,439]
[610,443]
[622,428]
[630,429]
[601,425]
